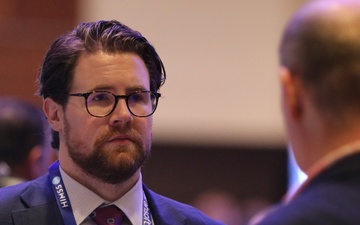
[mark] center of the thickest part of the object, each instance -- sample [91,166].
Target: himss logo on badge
[60,192]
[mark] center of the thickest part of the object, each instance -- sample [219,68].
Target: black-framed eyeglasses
[103,103]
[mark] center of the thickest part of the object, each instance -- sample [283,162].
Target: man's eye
[136,97]
[98,97]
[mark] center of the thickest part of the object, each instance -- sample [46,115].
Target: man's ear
[54,113]
[291,93]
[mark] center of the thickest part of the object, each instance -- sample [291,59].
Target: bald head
[321,45]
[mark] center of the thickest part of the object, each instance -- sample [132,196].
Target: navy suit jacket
[34,203]
[332,198]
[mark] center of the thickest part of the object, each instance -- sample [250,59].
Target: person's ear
[35,162]
[291,93]
[54,114]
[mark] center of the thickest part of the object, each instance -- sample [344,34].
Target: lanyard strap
[147,218]
[63,200]
[61,195]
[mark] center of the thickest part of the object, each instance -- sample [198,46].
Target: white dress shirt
[83,201]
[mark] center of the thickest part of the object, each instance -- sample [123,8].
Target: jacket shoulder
[23,196]
[166,209]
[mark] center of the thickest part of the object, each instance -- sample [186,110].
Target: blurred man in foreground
[320,85]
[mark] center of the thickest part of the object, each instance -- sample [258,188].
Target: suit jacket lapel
[161,211]
[40,215]
[40,205]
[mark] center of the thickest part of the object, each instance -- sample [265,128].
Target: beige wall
[221,61]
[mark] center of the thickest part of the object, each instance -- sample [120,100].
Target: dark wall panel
[183,172]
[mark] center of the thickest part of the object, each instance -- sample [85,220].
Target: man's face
[113,148]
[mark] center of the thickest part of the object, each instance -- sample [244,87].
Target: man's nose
[121,114]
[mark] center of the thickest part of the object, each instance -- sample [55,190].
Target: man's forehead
[109,71]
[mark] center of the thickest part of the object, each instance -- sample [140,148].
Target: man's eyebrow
[102,87]
[137,88]
[113,89]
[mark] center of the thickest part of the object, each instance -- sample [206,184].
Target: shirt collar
[83,201]
[325,162]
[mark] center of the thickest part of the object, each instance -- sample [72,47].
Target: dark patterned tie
[108,215]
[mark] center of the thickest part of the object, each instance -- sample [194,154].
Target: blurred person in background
[219,205]
[223,206]
[25,151]
[320,88]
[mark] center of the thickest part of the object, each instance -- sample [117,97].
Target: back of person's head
[56,72]
[321,45]
[23,127]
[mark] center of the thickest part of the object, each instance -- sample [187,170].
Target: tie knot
[108,215]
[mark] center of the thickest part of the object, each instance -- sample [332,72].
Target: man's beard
[101,163]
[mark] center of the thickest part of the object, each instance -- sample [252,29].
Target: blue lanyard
[61,195]
[63,200]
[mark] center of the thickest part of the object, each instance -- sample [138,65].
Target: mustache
[113,133]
